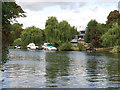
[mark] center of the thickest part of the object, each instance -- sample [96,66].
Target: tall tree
[64,28]
[10,11]
[91,25]
[59,32]
[15,31]
[31,35]
[114,16]
[112,36]
[93,33]
[50,29]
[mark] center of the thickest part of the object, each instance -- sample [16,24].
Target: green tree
[112,36]
[91,25]
[113,16]
[15,31]
[51,29]
[10,11]
[64,28]
[73,32]
[17,42]
[93,34]
[31,35]
[59,32]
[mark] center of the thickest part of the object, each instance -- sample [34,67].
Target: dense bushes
[116,49]
[17,42]
[80,47]
[65,46]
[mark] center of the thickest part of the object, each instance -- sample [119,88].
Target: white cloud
[36,6]
[65,0]
[79,15]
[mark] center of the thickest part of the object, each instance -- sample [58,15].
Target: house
[79,39]
[74,42]
[81,35]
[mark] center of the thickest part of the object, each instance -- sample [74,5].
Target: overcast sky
[77,12]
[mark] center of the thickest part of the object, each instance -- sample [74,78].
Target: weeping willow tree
[112,36]
[56,32]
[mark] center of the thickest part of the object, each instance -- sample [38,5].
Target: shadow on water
[3,56]
[56,69]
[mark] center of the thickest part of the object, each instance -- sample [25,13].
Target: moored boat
[47,46]
[32,46]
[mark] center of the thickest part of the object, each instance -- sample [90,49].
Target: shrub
[65,46]
[80,47]
[17,42]
[116,49]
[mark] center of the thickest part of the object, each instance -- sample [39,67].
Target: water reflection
[57,69]
[103,69]
[73,69]
[24,69]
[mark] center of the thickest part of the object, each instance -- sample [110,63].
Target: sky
[77,12]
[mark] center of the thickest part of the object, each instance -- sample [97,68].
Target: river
[61,69]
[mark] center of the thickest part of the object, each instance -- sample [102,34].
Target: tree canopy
[10,11]
[31,35]
[15,31]
[112,36]
[59,32]
[113,16]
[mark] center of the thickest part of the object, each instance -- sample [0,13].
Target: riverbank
[104,49]
[108,49]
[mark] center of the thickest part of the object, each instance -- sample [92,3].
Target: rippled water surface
[71,69]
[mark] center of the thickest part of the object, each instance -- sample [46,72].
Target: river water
[61,69]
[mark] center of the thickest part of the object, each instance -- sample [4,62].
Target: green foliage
[15,26]
[113,17]
[93,33]
[91,25]
[65,46]
[112,36]
[15,32]
[116,49]
[11,11]
[59,32]
[17,42]
[51,30]
[31,35]
[80,47]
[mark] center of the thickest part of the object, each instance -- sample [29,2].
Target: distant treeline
[104,35]
[54,32]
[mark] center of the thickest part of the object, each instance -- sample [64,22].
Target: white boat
[47,46]
[51,48]
[32,46]
[17,47]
